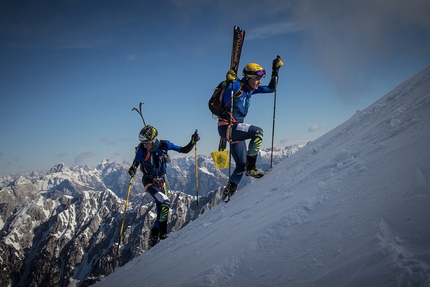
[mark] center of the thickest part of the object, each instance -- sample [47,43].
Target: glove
[133,168]
[195,137]
[276,64]
[231,76]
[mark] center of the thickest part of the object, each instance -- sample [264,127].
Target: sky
[71,71]
[349,209]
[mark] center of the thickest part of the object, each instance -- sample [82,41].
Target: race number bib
[243,127]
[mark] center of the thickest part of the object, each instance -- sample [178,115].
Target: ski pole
[167,185]
[197,178]
[278,58]
[229,135]
[273,124]
[123,220]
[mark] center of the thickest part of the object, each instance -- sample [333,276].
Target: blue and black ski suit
[241,131]
[153,164]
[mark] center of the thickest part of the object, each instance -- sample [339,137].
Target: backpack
[160,157]
[215,103]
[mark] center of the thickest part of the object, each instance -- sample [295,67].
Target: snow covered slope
[350,209]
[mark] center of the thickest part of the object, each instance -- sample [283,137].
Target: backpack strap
[235,95]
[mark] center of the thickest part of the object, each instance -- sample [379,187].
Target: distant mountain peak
[61,167]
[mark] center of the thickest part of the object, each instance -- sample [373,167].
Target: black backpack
[215,103]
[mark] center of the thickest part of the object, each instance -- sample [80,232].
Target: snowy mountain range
[349,209]
[59,227]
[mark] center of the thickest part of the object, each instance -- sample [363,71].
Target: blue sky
[71,71]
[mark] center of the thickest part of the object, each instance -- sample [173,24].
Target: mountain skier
[231,126]
[152,156]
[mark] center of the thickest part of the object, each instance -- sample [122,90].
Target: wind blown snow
[349,209]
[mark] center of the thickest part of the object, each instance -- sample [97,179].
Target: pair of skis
[236,52]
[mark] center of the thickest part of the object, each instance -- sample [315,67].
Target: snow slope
[350,209]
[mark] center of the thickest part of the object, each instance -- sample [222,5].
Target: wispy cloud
[44,24]
[314,128]
[348,40]
[107,141]
[132,57]
[83,156]
[61,155]
[268,31]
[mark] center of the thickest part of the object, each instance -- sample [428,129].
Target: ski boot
[229,190]
[251,169]
[153,237]
[163,230]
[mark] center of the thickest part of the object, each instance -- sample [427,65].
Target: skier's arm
[271,88]
[194,138]
[276,64]
[137,158]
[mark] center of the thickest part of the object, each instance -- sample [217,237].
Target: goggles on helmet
[259,73]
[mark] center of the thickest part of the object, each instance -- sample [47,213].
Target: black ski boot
[163,230]
[251,169]
[229,190]
[153,237]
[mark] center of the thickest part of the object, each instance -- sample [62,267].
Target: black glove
[195,137]
[276,64]
[133,168]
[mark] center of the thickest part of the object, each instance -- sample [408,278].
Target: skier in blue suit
[245,158]
[152,156]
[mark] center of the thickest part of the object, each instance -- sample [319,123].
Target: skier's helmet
[147,134]
[253,70]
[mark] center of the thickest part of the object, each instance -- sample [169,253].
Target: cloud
[83,156]
[61,155]
[347,40]
[107,141]
[17,159]
[86,24]
[268,31]
[314,128]
[132,57]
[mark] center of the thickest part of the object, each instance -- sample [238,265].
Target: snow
[349,209]
[205,170]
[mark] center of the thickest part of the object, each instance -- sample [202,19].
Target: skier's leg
[255,134]
[162,203]
[163,212]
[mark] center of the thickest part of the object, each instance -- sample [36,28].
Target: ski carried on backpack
[238,38]
[215,102]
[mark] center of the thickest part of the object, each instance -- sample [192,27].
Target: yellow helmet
[253,70]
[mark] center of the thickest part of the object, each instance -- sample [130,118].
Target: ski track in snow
[350,209]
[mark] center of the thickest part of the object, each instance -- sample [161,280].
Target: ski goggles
[149,142]
[259,73]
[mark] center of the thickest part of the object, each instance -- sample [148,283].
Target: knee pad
[164,211]
[255,143]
